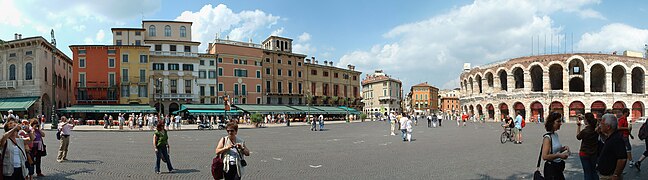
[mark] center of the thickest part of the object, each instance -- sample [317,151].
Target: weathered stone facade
[566,83]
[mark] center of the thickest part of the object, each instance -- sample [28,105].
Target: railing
[386,98]
[174,53]
[174,96]
[7,84]
[29,82]
[238,43]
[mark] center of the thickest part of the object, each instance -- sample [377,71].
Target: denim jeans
[589,165]
[404,133]
[162,153]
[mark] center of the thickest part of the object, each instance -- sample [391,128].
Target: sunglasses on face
[229,130]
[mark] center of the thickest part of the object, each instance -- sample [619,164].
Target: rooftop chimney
[16,36]
[330,63]
[308,60]
[351,67]
[19,36]
[325,62]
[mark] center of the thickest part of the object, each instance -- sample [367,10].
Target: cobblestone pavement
[342,151]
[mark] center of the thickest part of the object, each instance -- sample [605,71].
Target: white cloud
[210,21]
[10,15]
[614,37]
[434,49]
[277,32]
[304,37]
[100,35]
[589,13]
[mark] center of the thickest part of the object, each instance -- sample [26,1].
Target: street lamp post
[53,113]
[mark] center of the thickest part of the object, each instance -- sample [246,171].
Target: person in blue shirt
[518,128]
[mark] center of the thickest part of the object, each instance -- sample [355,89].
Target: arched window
[151,30]
[12,72]
[28,71]
[183,31]
[167,30]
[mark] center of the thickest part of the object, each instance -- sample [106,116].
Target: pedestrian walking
[233,149]
[553,152]
[162,148]
[612,157]
[37,147]
[403,126]
[27,134]
[409,128]
[105,118]
[313,123]
[435,119]
[429,120]
[624,129]
[14,155]
[517,131]
[110,121]
[643,134]
[121,121]
[167,121]
[589,145]
[440,119]
[177,122]
[65,129]
[321,122]
[42,121]
[140,122]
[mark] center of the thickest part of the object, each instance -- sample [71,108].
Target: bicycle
[507,135]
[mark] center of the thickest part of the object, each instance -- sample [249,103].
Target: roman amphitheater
[570,84]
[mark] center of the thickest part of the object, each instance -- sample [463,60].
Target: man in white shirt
[321,122]
[403,127]
[65,129]
[177,121]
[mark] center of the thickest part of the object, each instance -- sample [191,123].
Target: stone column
[608,82]
[587,82]
[510,82]
[485,88]
[565,81]
[180,87]
[645,88]
[496,85]
[527,81]
[628,83]
[546,81]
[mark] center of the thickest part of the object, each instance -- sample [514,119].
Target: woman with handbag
[233,150]
[38,147]
[13,147]
[553,152]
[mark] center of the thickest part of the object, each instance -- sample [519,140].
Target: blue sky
[414,41]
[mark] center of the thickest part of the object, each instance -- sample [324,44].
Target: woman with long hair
[553,152]
[589,145]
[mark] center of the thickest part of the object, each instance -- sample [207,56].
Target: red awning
[618,105]
[518,106]
[536,105]
[598,105]
[503,107]
[576,105]
[637,105]
[556,105]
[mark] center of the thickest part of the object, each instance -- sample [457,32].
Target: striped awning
[17,104]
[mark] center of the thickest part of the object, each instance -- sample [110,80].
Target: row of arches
[536,109]
[598,78]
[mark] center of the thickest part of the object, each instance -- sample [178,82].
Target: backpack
[643,132]
[523,123]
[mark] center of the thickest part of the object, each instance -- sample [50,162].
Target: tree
[256,119]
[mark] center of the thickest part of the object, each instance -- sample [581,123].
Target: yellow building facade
[135,72]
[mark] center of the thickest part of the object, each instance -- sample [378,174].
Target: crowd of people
[605,148]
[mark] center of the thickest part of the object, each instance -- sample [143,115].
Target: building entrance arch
[537,110]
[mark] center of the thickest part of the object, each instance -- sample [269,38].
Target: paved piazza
[342,151]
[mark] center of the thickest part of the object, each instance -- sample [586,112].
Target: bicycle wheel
[504,137]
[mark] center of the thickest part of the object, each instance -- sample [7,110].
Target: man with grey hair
[613,157]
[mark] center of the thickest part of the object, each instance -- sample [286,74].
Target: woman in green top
[161,146]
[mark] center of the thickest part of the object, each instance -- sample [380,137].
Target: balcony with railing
[174,53]
[387,98]
[175,96]
[8,84]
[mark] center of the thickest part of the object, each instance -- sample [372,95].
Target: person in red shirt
[624,129]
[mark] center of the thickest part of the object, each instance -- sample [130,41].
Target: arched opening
[537,112]
[504,109]
[597,78]
[160,108]
[576,108]
[489,79]
[637,80]
[519,109]
[576,84]
[46,105]
[491,111]
[173,107]
[576,67]
[480,112]
[618,79]
[503,77]
[518,76]
[637,110]
[471,85]
[536,79]
[618,106]
[479,83]
[472,110]
[598,108]
[557,107]
[556,77]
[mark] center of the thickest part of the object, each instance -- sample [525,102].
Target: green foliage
[363,116]
[256,118]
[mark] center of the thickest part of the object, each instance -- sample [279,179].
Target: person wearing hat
[11,115]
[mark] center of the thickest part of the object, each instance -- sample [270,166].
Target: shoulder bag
[240,152]
[217,165]
[4,150]
[537,175]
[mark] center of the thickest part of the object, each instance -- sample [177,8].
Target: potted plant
[256,119]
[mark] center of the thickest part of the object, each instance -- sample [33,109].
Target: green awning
[108,109]
[213,112]
[17,104]
[309,110]
[332,110]
[205,108]
[351,110]
[268,109]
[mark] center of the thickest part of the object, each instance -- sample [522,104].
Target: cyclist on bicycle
[508,122]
